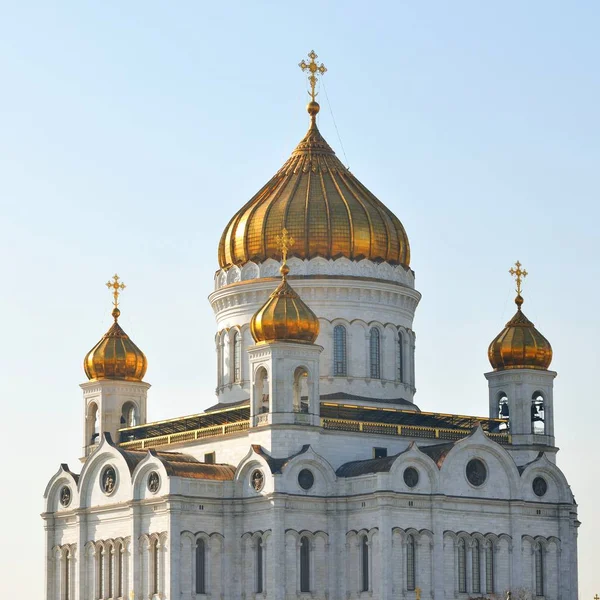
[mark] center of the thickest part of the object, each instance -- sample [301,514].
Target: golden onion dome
[328,211]
[520,345]
[284,317]
[115,356]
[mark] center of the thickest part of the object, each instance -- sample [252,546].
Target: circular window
[476,472]
[65,496]
[153,482]
[257,480]
[108,480]
[411,477]
[540,486]
[306,479]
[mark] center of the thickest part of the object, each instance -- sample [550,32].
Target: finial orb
[116,313]
[284,270]
[519,300]
[313,108]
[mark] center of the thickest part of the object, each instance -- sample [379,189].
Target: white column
[277,556]
[385,553]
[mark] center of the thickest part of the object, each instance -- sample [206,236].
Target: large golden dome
[323,206]
[284,317]
[520,345]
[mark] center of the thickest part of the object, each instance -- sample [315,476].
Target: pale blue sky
[131,132]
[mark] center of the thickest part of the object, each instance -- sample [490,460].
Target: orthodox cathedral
[315,474]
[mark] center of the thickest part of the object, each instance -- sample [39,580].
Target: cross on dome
[519,274]
[116,286]
[315,69]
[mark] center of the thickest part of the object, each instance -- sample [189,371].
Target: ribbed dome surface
[520,345]
[115,356]
[284,317]
[324,207]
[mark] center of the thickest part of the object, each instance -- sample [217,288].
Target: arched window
[538,414]
[200,567]
[155,565]
[121,575]
[375,353]
[259,567]
[539,570]
[410,563]
[476,564]
[462,566]
[489,568]
[340,362]
[220,362]
[304,564]
[301,390]
[111,571]
[237,357]
[261,391]
[129,415]
[364,564]
[93,426]
[400,358]
[100,570]
[503,410]
[67,575]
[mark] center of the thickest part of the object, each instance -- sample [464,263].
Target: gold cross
[315,69]
[596,597]
[418,593]
[284,243]
[519,274]
[116,286]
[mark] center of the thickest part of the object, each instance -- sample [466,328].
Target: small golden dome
[115,356]
[284,317]
[324,207]
[520,345]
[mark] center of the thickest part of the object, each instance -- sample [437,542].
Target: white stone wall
[232,518]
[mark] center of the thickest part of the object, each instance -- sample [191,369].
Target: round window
[257,480]
[411,477]
[540,486]
[153,482]
[108,480]
[306,479]
[476,472]
[65,496]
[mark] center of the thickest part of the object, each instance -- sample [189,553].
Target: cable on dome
[335,125]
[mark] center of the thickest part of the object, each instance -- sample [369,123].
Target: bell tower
[521,385]
[284,362]
[115,395]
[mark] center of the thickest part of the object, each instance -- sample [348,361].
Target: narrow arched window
[503,411]
[489,568]
[476,564]
[237,357]
[462,566]
[375,353]
[100,569]
[400,358]
[340,363]
[111,571]
[539,570]
[155,560]
[410,563]
[364,564]
[304,564]
[259,567]
[219,362]
[67,575]
[121,576]
[538,414]
[200,567]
